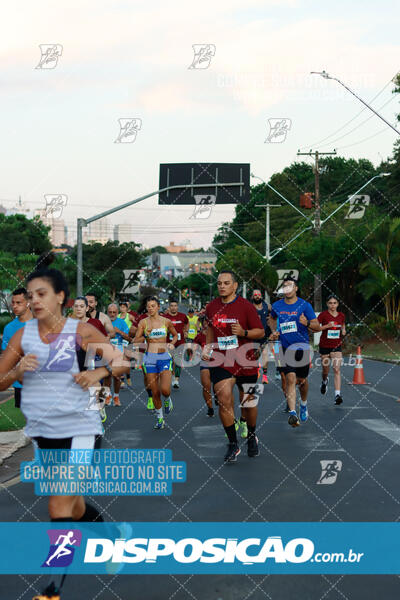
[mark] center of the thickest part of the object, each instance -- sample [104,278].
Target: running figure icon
[62,549]
[65,349]
[330,471]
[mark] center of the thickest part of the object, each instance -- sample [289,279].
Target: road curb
[386,360]
[10,442]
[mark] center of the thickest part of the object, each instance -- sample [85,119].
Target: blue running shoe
[160,423]
[293,419]
[303,413]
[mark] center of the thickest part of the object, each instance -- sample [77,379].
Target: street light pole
[85,222]
[267,228]
[353,195]
[325,75]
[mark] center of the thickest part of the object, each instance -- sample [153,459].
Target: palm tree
[382,271]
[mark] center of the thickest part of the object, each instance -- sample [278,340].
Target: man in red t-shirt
[181,324]
[233,323]
[333,329]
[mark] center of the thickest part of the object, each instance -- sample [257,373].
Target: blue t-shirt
[122,326]
[291,330]
[8,332]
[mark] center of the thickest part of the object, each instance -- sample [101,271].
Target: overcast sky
[130,59]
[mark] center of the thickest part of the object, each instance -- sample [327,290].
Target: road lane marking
[383,428]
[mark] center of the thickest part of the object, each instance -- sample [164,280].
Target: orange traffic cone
[358,377]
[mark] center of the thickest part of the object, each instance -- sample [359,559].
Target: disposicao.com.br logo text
[247,551]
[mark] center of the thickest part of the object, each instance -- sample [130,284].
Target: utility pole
[317,223]
[267,228]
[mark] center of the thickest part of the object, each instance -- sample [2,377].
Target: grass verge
[11,418]
[388,350]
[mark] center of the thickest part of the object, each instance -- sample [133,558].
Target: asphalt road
[279,485]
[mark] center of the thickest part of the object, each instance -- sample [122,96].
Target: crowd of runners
[56,363]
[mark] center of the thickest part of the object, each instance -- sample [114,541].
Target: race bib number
[228,343]
[157,333]
[191,331]
[288,327]
[333,334]
[178,334]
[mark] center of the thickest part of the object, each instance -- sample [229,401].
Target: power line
[350,121]
[360,124]
[365,139]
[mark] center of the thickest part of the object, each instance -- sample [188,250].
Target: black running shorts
[297,361]
[218,374]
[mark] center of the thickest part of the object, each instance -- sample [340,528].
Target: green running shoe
[160,423]
[243,429]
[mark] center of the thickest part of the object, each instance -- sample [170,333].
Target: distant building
[184,247]
[57,227]
[100,231]
[182,264]
[123,233]
[20,208]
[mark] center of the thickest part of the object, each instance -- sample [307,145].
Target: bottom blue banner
[209,548]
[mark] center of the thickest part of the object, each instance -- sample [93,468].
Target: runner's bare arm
[92,339]
[139,335]
[124,335]
[207,351]
[13,363]
[132,331]
[313,324]
[108,326]
[272,323]
[252,334]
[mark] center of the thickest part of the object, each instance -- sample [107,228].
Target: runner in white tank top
[49,357]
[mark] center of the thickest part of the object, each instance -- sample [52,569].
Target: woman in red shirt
[333,329]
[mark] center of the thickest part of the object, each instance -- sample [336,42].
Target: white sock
[303,402]
[337,392]
[159,413]
[116,396]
